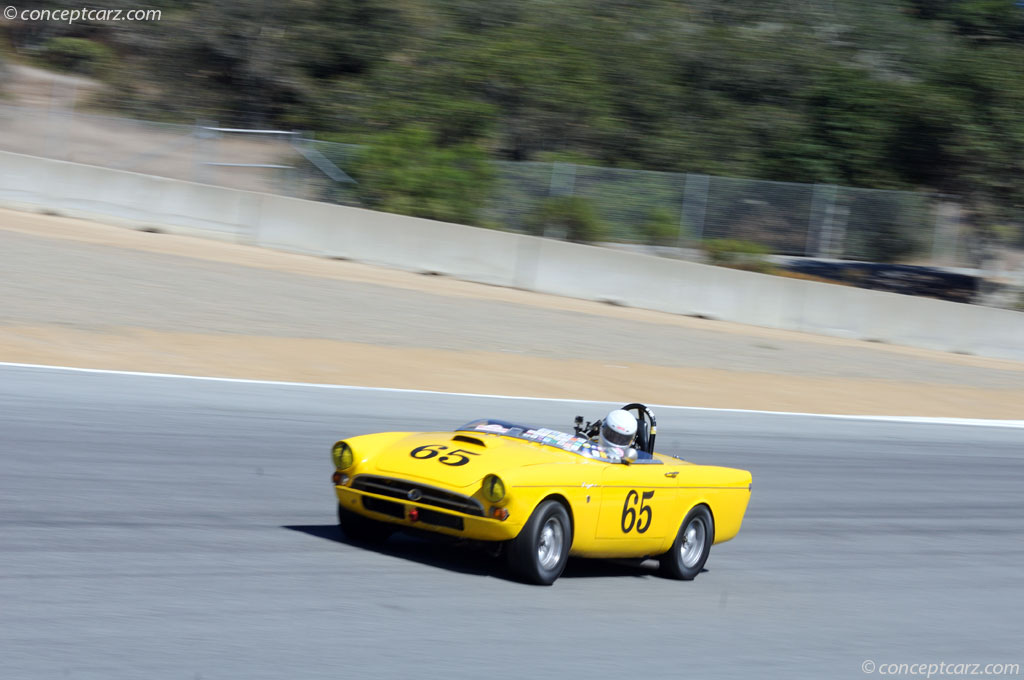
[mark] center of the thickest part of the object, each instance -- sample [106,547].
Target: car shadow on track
[466,558]
[442,554]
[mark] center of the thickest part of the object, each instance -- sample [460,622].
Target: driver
[617,432]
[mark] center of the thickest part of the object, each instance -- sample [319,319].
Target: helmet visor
[620,439]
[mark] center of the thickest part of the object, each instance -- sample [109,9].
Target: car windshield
[541,435]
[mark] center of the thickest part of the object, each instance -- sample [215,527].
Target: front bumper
[429,517]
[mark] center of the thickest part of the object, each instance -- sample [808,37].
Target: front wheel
[541,550]
[692,546]
[362,529]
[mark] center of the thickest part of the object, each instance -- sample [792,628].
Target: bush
[76,55]
[569,217]
[408,173]
[661,228]
[727,252]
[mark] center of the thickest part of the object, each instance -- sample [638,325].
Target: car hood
[458,459]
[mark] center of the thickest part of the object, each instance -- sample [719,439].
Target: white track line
[244,381]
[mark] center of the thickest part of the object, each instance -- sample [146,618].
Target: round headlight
[494,488]
[343,456]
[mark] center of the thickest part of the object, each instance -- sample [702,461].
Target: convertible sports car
[540,495]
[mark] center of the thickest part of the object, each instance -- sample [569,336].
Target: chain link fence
[786,218]
[633,207]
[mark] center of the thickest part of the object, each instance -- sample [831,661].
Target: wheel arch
[700,504]
[555,496]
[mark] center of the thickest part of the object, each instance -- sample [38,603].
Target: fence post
[947,228]
[563,179]
[695,196]
[197,162]
[199,155]
[823,202]
[563,183]
[291,175]
[811,233]
[955,222]
[837,226]
[682,214]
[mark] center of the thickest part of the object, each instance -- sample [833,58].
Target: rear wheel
[541,550]
[363,529]
[692,546]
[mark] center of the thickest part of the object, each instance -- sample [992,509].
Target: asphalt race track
[158,527]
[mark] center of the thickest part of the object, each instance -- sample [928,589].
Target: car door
[639,503]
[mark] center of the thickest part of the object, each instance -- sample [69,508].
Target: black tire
[363,529]
[541,550]
[697,533]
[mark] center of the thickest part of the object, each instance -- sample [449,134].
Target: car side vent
[468,440]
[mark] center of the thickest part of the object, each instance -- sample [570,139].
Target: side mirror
[630,456]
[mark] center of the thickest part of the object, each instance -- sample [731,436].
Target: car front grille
[418,493]
[441,519]
[384,507]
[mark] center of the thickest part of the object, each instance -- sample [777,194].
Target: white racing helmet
[617,430]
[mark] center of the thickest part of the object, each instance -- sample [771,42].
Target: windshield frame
[563,441]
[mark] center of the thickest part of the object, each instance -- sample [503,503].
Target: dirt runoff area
[77,293]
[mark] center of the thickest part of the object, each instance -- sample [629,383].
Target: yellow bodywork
[617,509]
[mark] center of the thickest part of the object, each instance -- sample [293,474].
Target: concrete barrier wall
[125,197]
[505,259]
[380,238]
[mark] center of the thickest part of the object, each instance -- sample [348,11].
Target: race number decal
[451,457]
[630,512]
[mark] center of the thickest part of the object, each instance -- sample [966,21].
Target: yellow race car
[540,494]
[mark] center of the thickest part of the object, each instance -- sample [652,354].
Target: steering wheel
[646,427]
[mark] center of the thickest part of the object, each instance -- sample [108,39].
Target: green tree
[406,172]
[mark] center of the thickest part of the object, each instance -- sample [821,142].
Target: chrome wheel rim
[693,542]
[549,548]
